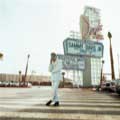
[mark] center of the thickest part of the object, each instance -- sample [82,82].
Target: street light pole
[111,57]
[101,77]
[63,73]
[19,78]
[1,55]
[118,67]
[26,69]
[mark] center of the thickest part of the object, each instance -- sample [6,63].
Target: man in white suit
[55,68]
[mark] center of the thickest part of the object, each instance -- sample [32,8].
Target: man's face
[53,57]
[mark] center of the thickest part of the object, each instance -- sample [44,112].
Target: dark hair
[53,54]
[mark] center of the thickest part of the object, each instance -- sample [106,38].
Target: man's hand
[51,61]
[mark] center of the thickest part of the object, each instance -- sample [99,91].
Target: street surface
[75,104]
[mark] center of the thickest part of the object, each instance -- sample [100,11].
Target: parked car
[2,84]
[118,86]
[6,83]
[26,84]
[14,84]
[109,86]
[29,84]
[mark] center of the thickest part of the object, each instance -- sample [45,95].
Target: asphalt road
[75,104]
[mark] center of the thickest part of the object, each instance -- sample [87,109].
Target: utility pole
[63,73]
[111,57]
[25,77]
[118,67]
[101,77]
[73,77]
[20,77]
[78,80]
[1,55]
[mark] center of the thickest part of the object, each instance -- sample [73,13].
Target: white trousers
[55,85]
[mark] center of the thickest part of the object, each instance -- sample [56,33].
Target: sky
[38,27]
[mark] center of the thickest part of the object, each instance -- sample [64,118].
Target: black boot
[56,104]
[48,103]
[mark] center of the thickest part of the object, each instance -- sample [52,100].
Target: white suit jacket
[55,69]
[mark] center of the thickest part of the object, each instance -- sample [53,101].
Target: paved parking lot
[75,104]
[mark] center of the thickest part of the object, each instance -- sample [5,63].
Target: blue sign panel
[71,62]
[83,47]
